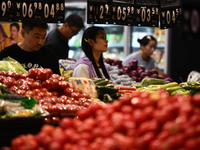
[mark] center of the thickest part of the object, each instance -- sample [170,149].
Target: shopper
[147,44]
[57,39]
[30,52]
[94,43]
[15,37]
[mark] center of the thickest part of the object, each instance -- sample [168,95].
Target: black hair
[91,33]
[75,20]
[29,26]
[15,24]
[146,39]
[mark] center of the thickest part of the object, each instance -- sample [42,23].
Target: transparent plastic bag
[10,64]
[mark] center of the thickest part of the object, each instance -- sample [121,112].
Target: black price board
[6,10]
[40,10]
[191,19]
[147,13]
[98,11]
[122,12]
[170,13]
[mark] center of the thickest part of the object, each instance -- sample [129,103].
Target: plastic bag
[10,64]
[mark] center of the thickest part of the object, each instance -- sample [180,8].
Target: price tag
[40,10]
[147,13]
[98,11]
[191,19]
[6,10]
[122,12]
[170,13]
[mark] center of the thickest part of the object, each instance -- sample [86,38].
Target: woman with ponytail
[91,65]
[147,44]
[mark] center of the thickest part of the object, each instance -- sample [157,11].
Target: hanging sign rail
[32,10]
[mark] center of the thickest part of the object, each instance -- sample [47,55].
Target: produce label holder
[147,13]
[98,12]
[50,11]
[6,10]
[170,13]
[123,12]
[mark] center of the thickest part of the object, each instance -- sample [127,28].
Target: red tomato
[54,84]
[24,87]
[49,72]
[55,76]
[17,142]
[3,73]
[84,95]
[2,78]
[14,88]
[48,129]
[126,109]
[83,114]
[55,145]
[66,123]
[32,73]
[20,92]
[62,85]
[47,84]
[23,75]
[68,91]
[36,85]
[196,99]
[15,75]
[75,95]
[21,82]
[61,78]
[43,74]
[9,81]
[139,116]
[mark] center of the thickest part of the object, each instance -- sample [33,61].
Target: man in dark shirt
[30,52]
[57,39]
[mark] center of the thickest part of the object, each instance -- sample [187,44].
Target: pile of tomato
[141,121]
[52,92]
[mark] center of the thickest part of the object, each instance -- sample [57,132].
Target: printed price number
[50,10]
[103,11]
[170,17]
[27,10]
[5,7]
[146,13]
[122,13]
[91,13]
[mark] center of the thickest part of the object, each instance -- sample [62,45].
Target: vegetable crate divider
[13,127]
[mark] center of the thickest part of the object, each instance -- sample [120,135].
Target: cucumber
[169,85]
[155,86]
[149,81]
[137,85]
[172,89]
[96,80]
[105,89]
[103,82]
[180,91]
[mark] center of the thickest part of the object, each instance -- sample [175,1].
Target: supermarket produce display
[134,71]
[151,113]
[142,121]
